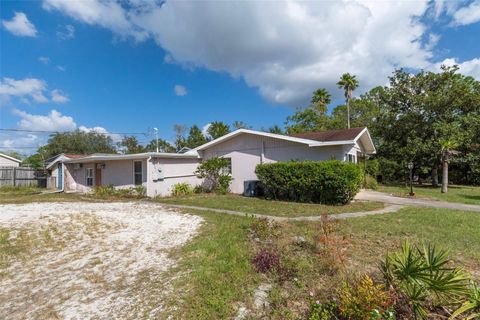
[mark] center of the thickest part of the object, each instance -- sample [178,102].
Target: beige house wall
[5,162]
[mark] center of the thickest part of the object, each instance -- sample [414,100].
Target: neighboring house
[7,161]
[55,170]
[158,172]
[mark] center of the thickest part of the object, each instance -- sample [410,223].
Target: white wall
[246,152]
[5,162]
[173,171]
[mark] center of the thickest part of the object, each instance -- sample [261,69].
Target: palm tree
[447,150]
[348,83]
[321,97]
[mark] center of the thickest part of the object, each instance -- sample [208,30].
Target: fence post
[14,176]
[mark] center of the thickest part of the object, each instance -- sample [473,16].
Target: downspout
[148,172]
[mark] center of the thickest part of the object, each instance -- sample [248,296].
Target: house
[245,149]
[8,161]
[54,166]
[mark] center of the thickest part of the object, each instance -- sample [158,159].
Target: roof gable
[331,135]
[10,158]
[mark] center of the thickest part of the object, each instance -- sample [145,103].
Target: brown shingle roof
[330,135]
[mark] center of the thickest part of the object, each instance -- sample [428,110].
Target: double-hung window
[351,158]
[137,172]
[89,175]
[228,169]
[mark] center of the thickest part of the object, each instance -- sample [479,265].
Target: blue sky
[116,66]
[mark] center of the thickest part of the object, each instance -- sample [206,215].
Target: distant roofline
[145,155]
[10,157]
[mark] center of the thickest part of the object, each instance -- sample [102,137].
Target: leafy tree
[14,154]
[195,137]
[240,125]
[78,142]
[348,83]
[275,129]
[163,146]
[130,145]
[312,118]
[218,129]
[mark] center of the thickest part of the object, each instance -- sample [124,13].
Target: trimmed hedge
[327,182]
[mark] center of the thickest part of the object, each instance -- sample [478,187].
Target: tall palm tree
[348,83]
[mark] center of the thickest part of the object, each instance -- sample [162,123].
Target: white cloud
[44,60]
[467,15]
[285,49]
[54,121]
[66,32]
[469,67]
[180,90]
[108,14]
[59,97]
[32,88]
[20,141]
[20,25]
[115,137]
[28,87]
[205,130]
[61,68]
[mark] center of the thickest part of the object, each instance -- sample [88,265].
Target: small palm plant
[471,305]
[423,276]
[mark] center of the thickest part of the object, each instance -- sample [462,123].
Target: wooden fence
[20,176]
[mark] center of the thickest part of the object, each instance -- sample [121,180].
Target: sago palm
[348,83]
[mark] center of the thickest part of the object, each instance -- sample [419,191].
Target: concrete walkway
[387,209]
[388,198]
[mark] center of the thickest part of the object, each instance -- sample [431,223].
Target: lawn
[218,277]
[268,207]
[456,193]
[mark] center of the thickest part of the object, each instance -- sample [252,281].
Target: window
[89,177]
[351,158]
[137,172]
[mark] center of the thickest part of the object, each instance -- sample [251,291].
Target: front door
[98,175]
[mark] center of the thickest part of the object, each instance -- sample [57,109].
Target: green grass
[456,193]
[216,276]
[20,190]
[268,207]
[216,270]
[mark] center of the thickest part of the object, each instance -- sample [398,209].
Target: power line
[46,131]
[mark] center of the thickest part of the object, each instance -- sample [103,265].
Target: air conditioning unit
[77,166]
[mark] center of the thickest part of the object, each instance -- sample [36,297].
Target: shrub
[198,189]
[323,311]
[181,189]
[423,277]
[373,167]
[371,182]
[215,175]
[364,300]
[104,191]
[264,228]
[391,171]
[332,246]
[266,260]
[141,191]
[328,182]
[108,191]
[471,305]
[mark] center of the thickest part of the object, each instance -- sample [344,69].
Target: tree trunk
[445,172]
[348,113]
[435,176]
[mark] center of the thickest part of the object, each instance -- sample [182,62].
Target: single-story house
[8,161]
[54,166]
[158,172]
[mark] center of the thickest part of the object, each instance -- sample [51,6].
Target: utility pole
[156,136]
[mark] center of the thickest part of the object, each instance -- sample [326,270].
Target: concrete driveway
[388,198]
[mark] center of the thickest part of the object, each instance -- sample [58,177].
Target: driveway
[388,198]
[88,260]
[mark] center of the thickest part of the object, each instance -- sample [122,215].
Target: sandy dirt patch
[88,260]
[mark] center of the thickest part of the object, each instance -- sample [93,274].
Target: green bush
[391,171]
[215,175]
[109,191]
[371,182]
[182,189]
[328,182]
[198,189]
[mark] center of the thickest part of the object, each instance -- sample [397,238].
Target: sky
[122,67]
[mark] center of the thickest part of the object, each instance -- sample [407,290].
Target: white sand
[107,260]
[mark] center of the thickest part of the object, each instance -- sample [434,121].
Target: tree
[195,137]
[78,142]
[218,129]
[240,125]
[275,129]
[312,118]
[215,174]
[180,141]
[130,145]
[348,83]
[163,146]
[14,154]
